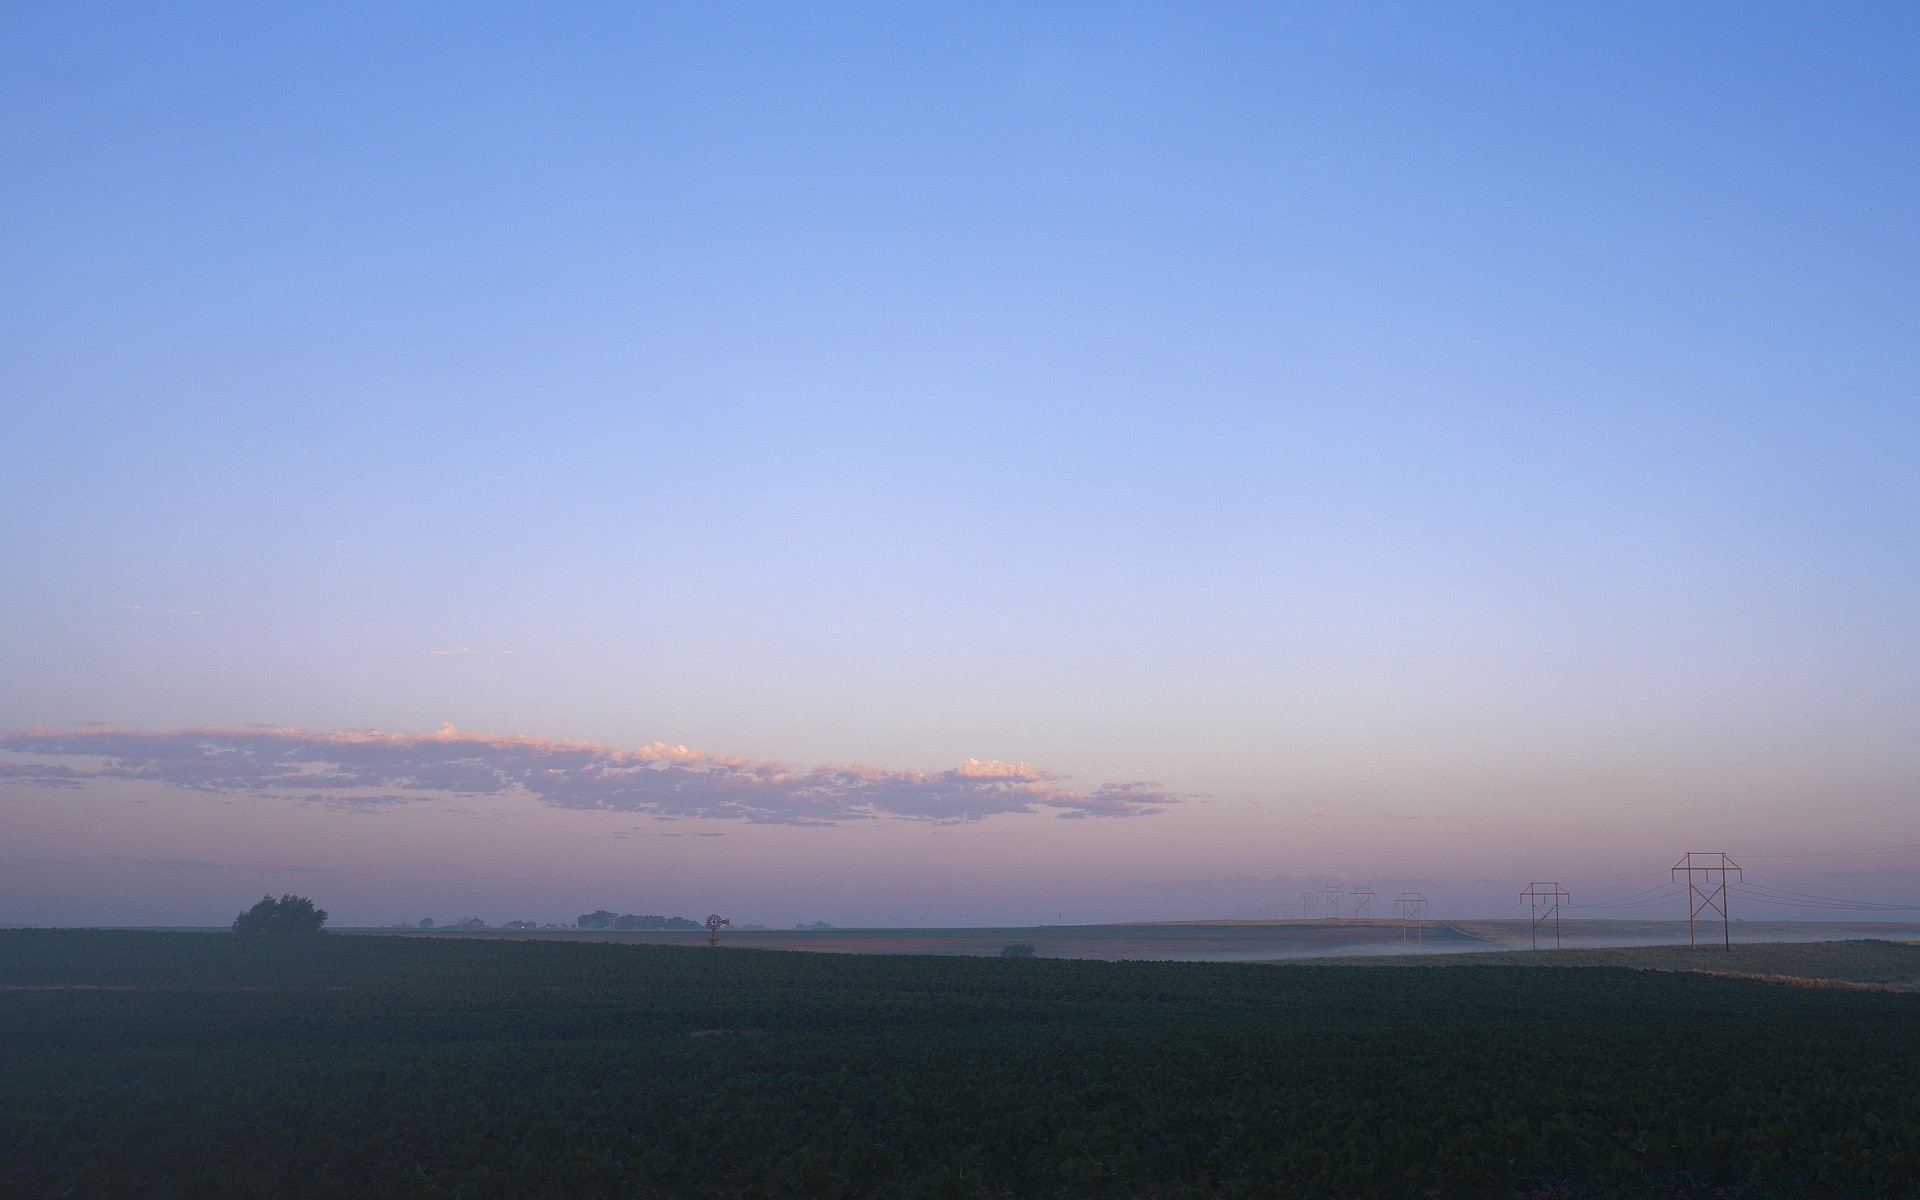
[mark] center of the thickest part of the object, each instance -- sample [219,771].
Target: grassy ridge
[209,1065]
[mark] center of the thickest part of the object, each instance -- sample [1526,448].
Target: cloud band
[663,780]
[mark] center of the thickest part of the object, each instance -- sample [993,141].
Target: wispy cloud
[1247,879]
[42,774]
[171,612]
[662,780]
[167,864]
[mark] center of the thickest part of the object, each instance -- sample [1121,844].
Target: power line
[1660,901]
[1707,876]
[1839,853]
[1545,899]
[1626,901]
[1413,911]
[1649,870]
[1331,895]
[1772,895]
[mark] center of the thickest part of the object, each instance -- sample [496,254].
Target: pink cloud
[351,767]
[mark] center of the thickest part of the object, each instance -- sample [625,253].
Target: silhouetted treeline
[288,914]
[630,921]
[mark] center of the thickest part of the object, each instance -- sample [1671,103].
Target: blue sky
[1440,443]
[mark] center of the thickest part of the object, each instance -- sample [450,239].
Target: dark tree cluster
[631,921]
[288,914]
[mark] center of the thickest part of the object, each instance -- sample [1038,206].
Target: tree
[596,920]
[288,914]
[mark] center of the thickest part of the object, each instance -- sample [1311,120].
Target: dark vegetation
[631,921]
[288,914]
[190,1065]
[1872,962]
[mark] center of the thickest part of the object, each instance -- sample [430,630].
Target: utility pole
[1707,890]
[1362,901]
[1332,897]
[1543,901]
[1413,908]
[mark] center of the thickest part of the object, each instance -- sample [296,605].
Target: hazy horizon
[955,465]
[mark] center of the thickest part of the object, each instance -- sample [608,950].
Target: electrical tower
[1332,898]
[1361,902]
[1707,876]
[714,923]
[1309,904]
[1544,901]
[1413,910]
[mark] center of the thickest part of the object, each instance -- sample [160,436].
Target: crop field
[209,1065]
[1869,963]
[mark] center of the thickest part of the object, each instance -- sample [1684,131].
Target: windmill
[714,923]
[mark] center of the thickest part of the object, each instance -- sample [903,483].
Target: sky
[955,464]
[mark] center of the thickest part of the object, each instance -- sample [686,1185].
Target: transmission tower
[1413,911]
[1332,897]
[1309,904]
[714,923]
[1707,876]
[1361,902]
[1544,901]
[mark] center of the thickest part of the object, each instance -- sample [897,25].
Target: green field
[209,1065]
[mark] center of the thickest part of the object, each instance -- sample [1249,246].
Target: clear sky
[1422,446]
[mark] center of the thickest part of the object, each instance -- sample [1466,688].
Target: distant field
[1199,941]
[1216,941]
[209,1065]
